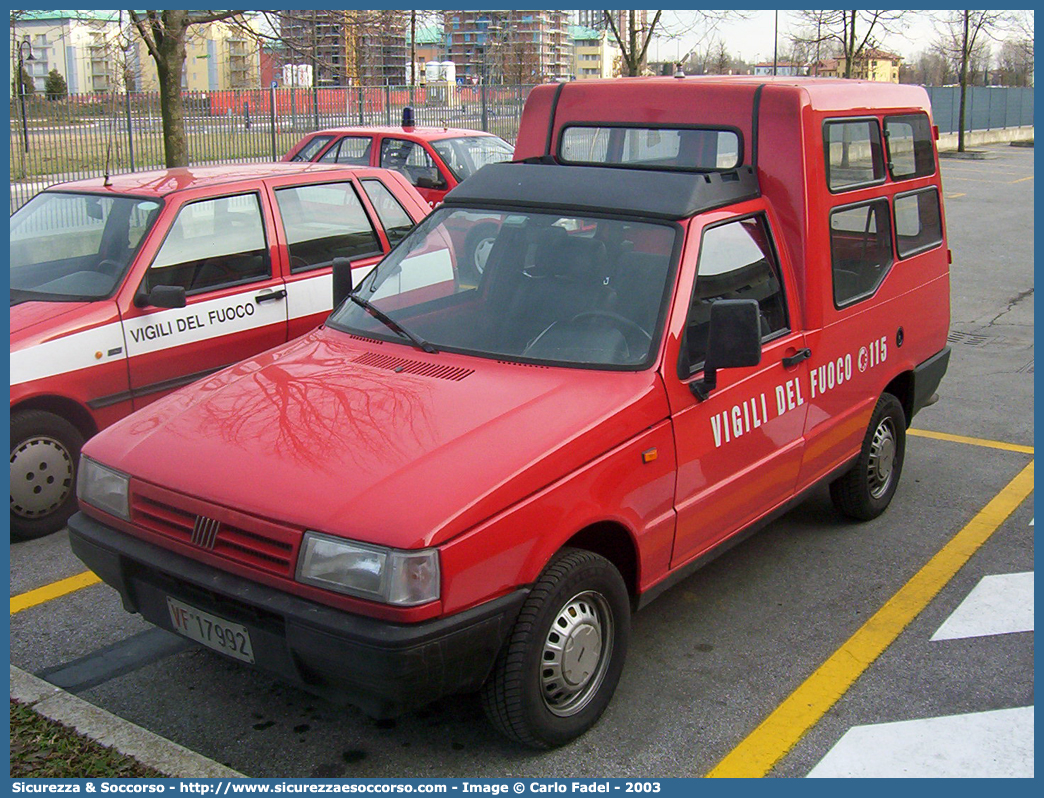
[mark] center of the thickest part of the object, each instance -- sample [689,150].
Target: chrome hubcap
[41,477]
[576,653]
[882,458]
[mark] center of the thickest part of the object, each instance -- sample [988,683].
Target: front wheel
[45,449]
[867,489]
[559,668]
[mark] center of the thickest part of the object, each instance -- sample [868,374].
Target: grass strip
[43,748]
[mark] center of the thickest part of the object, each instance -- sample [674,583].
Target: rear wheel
[45,449]
[866,491]
[559,668]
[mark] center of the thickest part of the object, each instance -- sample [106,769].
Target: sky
[751,38]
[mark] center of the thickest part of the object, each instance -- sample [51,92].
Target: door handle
[270,297]
[797,357]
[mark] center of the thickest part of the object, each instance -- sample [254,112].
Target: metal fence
[86,135]
[987,107]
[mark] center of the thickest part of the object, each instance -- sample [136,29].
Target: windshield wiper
[393,325]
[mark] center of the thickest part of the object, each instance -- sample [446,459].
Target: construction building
[348,48]
[511,47]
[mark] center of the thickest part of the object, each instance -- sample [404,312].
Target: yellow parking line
[789,722]
[54,590]
[945,436]
[1021,180]
[955,196]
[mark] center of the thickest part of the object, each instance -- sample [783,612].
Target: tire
[477,246]
[542,692]
[867,489]
[45,451]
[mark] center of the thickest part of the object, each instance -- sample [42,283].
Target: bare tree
[421,17]
[164,34]
[1015,62]
[633,34]
[848,34]
[963,33]
[633,40]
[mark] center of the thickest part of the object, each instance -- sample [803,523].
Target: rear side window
[853,154]
[909,141]
[412,160]
[860,249]
[737,261]
[918,223]
[213,243]
[352,150]
[685,149]
[396,222]
[311,149]
[323,222]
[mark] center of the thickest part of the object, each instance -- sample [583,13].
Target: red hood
[34,322]
[310,436]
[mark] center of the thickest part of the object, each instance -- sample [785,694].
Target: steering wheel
[637,338]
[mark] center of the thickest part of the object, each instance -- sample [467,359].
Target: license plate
[213,632]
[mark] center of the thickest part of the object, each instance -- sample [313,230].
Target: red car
[126,288]
[705,298]
[434,159]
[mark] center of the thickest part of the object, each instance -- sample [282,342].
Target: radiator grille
[232,535]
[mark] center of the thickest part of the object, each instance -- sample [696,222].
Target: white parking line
[996,744]
[999,604]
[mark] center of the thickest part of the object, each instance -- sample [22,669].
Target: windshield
[466,155]
[541,287]
[75,246]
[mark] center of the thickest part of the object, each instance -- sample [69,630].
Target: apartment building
[871,64]
[82,45]
[595,53]
[218,56]
[95,54]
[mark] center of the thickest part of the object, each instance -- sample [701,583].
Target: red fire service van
[123,289]
[705,297]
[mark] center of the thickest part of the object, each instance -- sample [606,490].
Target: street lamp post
[21,87]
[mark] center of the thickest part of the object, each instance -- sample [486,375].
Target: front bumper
[383,668]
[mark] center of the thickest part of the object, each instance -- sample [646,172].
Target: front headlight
[391,576]
[103,488]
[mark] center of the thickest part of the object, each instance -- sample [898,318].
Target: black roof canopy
[596,189]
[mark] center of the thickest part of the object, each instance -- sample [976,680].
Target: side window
[312,148]
[853,154]
[323,222]
[860,249]
[396,222]
[412,160]
[213,244]
[909,141]
[737,261]
[352,150]
[918,223]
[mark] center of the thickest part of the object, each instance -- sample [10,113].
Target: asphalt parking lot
[780,658]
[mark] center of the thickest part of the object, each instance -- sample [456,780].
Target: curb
[969,155]
[113,732]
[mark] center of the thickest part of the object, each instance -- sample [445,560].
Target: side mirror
[436,182]
[162,296]
[342,280]
[733,341]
